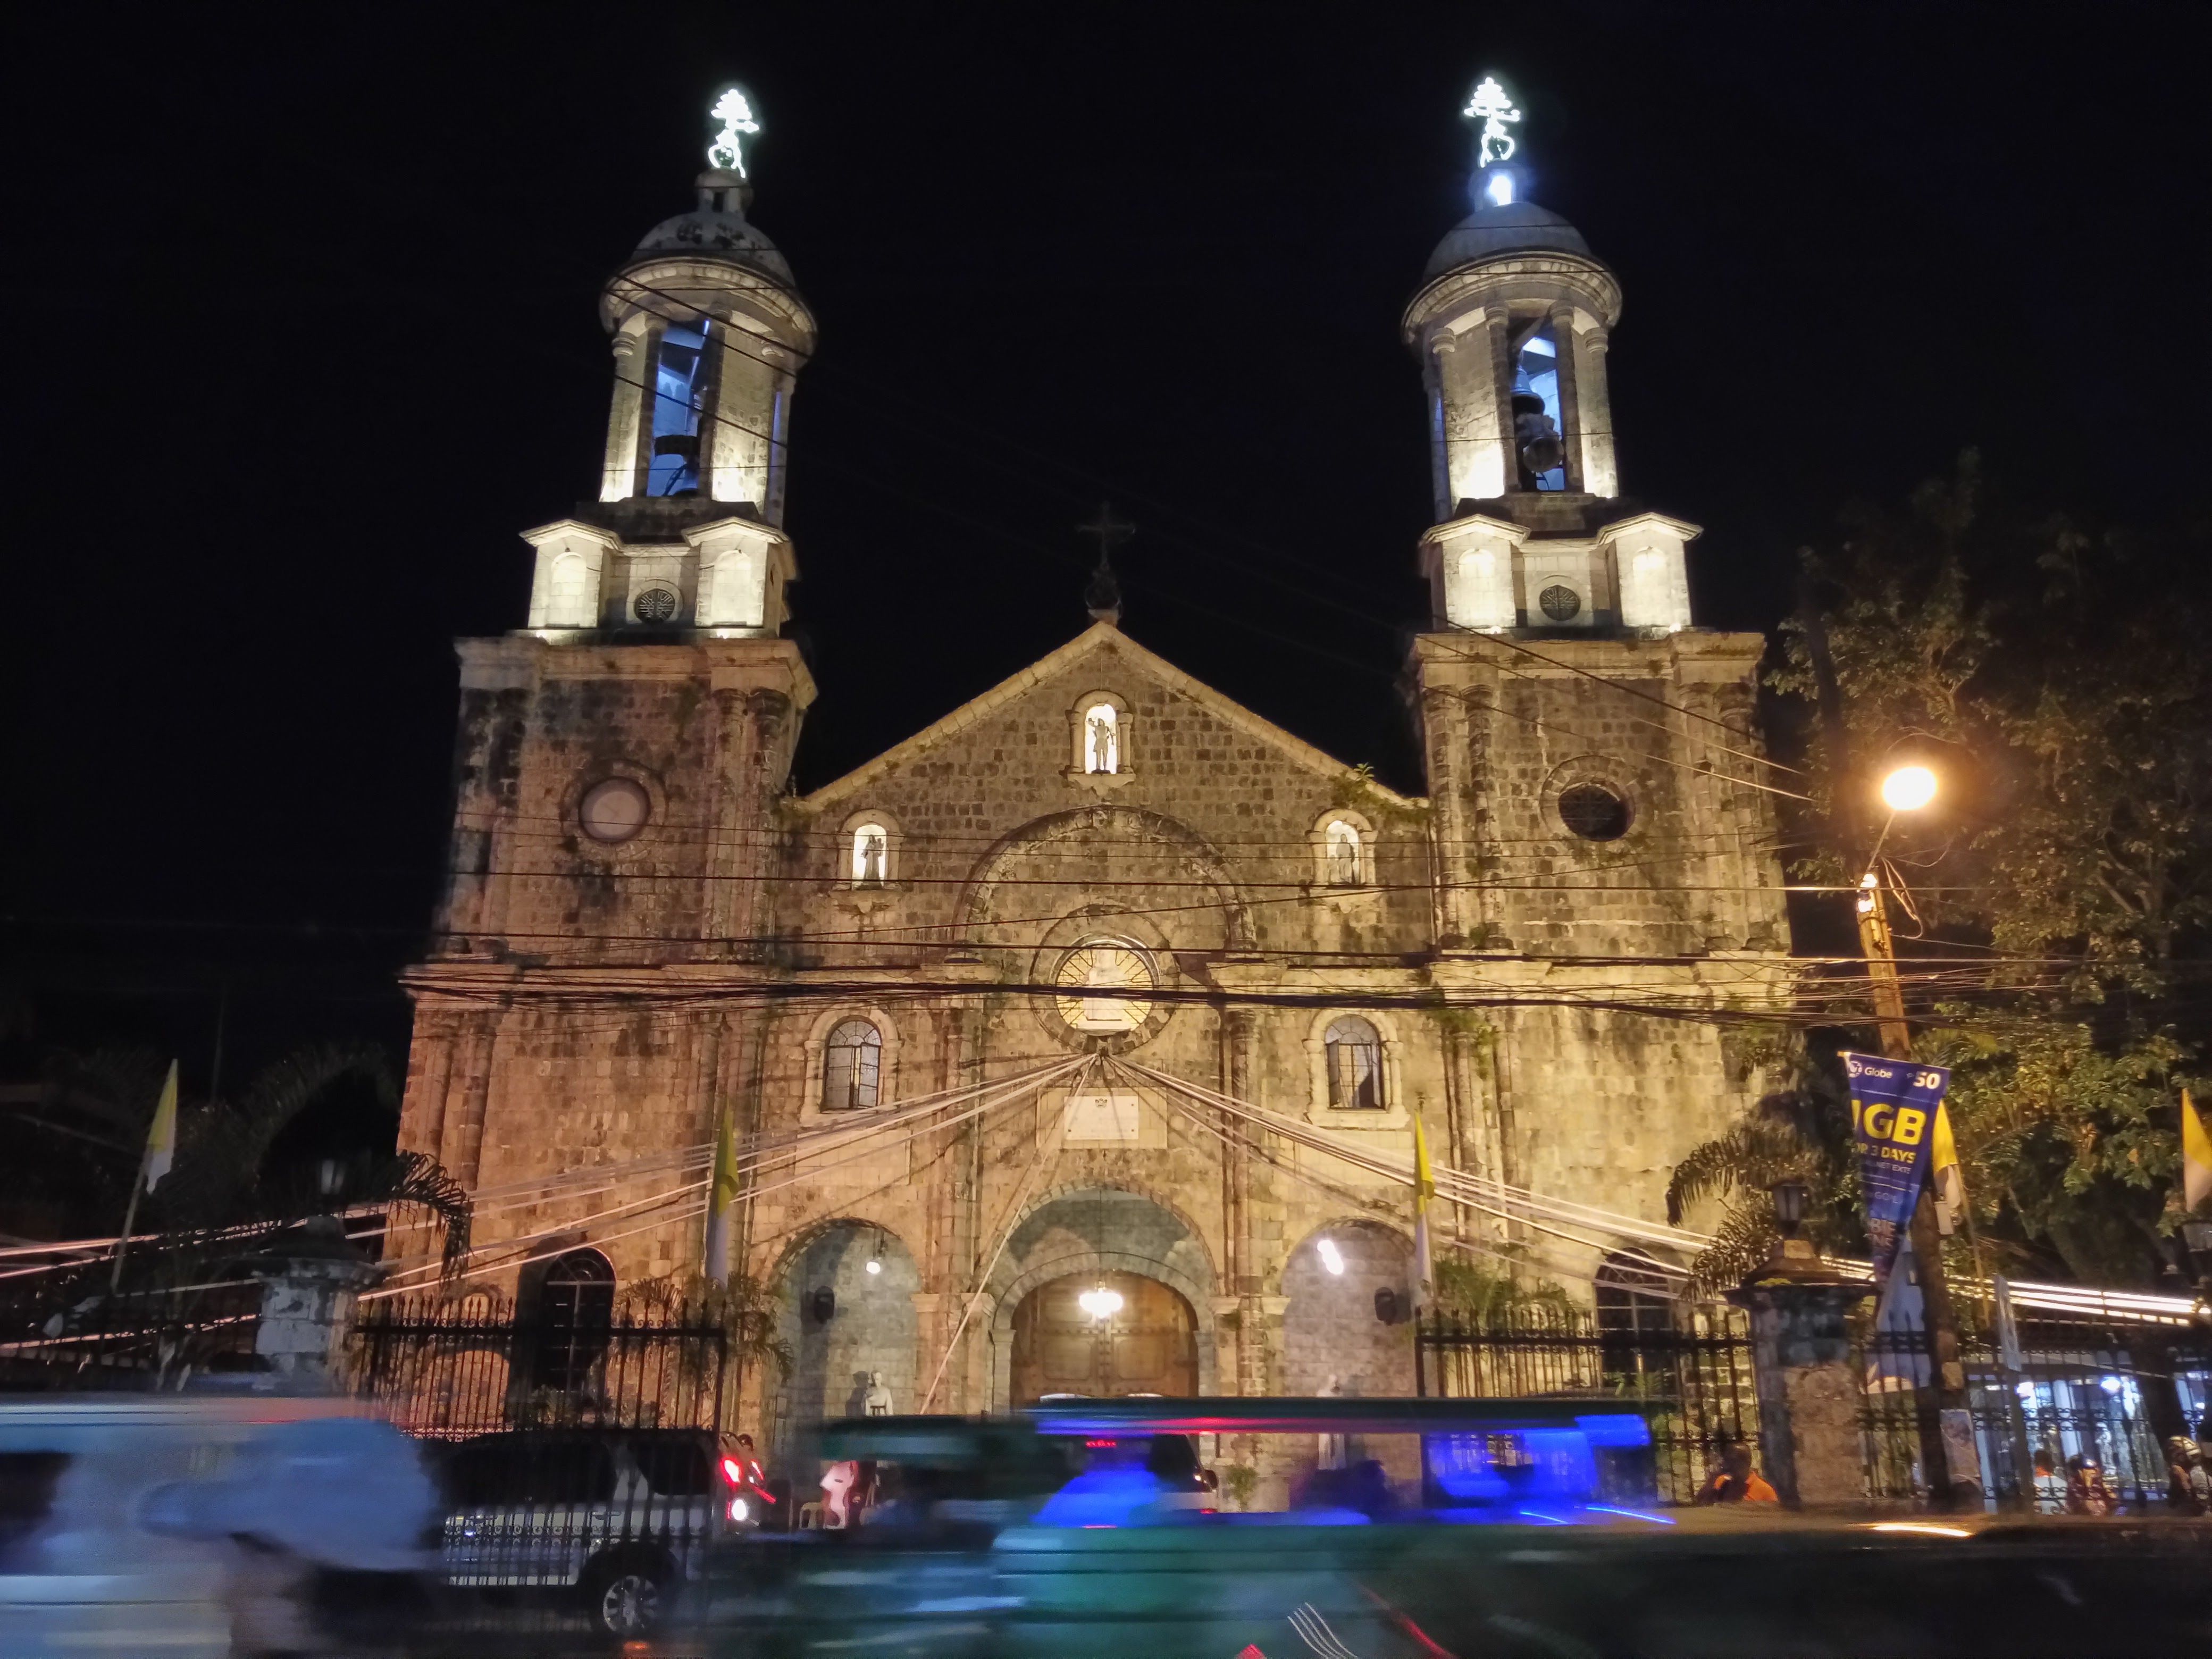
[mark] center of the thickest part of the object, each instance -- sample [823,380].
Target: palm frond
[1744,1239]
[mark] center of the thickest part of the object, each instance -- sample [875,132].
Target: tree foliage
[2053,676]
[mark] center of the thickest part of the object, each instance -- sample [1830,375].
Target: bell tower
[1511,325]
[1569,709]
[709,335]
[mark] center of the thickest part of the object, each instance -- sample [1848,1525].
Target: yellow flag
[1424,1189]
[2195,1156]
[161,1139]
[1950,1180]
[721,1199]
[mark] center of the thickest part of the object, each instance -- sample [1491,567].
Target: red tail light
[731,1473]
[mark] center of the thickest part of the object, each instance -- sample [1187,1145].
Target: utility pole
[1878,945]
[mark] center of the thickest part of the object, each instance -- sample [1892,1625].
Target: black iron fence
[69,1331]
[1687,1370]
[448,1367]
[2081,1425]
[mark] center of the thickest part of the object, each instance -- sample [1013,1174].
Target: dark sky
[303,334]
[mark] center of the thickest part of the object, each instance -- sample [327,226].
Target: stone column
[1251,1246]
[647,362]
[619,480]
[468,1096]
[1808,1391]
[311,1281]
[1571,432]
[1593,401]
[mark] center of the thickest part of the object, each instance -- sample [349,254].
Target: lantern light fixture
[1103,1302]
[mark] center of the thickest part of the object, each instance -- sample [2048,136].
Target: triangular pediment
[1099,639]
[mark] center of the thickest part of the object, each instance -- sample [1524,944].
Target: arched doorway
[575,1318]
[1148,1345]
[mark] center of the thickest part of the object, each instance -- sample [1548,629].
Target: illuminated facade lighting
[1499,188]
[726,153]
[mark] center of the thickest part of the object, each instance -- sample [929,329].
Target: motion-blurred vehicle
[622,1518]
[204,1524]
[1520,1543]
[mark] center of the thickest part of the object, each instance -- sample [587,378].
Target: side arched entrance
[1147,1345]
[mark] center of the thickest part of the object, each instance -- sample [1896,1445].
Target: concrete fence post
[311,1283]
[1810,1440]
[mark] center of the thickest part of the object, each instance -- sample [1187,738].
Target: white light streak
[1331,1257]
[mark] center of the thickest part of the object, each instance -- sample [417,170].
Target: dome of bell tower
[1496,229]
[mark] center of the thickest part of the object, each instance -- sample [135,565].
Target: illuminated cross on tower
[728,149]
[1494,142]
[1102,597]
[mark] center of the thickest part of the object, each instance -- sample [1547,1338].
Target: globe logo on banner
[1893,1107]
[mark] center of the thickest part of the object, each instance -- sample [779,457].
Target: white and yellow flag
[721,1200]
[1424,1189]
[1950,1188]
[2195,1156]
[161,1139]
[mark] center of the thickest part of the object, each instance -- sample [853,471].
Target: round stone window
[1594,812]
[1560,603]
[614,809]
[656,605]
[1102,983]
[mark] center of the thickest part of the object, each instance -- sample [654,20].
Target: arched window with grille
[1342,848]
[1355,1049]
[575,1314]
[852,1063]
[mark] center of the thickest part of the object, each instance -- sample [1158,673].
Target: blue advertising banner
[1893,1104]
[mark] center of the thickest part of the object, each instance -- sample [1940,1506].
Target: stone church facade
[645,931]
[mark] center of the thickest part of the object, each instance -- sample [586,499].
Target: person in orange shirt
[1736,1481]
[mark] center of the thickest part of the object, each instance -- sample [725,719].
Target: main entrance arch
[1147,1345]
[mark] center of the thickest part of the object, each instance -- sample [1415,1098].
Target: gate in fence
[1687,1370]
[2080,1426]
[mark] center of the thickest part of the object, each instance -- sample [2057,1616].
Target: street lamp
[1908,789]
[1789,1198]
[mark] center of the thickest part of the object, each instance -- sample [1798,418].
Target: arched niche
[1097,1231]
[842,1323]
[1103,1336]
[1333,1325]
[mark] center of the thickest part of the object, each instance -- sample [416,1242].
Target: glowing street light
[1908,789]
[1331,1257]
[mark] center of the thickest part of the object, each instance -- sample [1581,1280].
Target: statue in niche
[1099,723]
[1329,1453]
[877,1401]
[871,860]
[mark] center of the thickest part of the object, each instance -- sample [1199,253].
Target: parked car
[622,1518]
[199,1526]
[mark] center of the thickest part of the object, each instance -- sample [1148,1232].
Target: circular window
[1561,602]
[614,809]
[1102,982]
[1594,812]
[656,605]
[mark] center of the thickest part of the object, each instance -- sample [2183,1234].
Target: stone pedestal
[311,1281]
[1809,1395]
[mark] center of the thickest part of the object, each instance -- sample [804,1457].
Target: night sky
[303,334]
